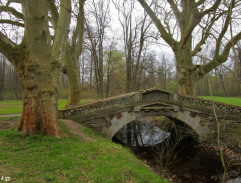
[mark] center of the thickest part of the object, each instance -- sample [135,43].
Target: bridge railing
[100,105]
[131,99]
[184,99]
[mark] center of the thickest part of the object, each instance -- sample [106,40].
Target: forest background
[114,33]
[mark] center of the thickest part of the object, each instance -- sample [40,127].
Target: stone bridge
[109,115]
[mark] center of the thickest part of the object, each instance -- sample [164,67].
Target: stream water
[179,158]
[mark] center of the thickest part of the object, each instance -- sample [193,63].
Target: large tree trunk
[36,60]
[39,72]
[185,71]
[71,69]
[71,61]
[186,82]
[40,101]
[40,113]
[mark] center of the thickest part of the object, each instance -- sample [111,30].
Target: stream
[177,157]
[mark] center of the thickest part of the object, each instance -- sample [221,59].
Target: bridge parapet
[116,103]
[100,105]
[130,100]
[207,105]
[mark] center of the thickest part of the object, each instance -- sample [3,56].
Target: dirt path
[75,129]
[9,115]
[8,121]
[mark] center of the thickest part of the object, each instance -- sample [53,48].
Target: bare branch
[12,11]
[80,27]
[7,47]
[221,58]
[175,10]
[12,1]
[213,8]
[4,21]
[200,2]
[225,28]
[62,28]
[205,34]
[54,12]
[164,34]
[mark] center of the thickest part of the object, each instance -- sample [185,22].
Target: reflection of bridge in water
[109,115]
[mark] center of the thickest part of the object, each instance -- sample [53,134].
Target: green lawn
[226,100]
[40,159]
[15,106]
[10,107]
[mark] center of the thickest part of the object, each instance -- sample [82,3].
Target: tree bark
[40,110]
[72,58]
[40,100]
[39,69]
[185,71]
[72,71]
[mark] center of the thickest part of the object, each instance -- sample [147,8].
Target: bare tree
[96,25]
[212,19]
[136,32]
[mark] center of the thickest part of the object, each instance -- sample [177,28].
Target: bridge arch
[186,117]
[118,122]
[192,120]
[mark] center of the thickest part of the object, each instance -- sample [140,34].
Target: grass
[227,100]
[40,159]
[15,106]
[11,107]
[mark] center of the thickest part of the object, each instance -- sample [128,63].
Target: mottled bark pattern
[38,68]
[39,113]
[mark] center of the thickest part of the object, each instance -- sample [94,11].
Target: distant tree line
[157,72]
[10,85]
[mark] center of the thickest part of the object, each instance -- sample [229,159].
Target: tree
[71,59]
[2,75]
[211,19]
[237,67]
[114,66]
[135,35]
[37,61]
[99,15]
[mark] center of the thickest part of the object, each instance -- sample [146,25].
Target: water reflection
[142,133]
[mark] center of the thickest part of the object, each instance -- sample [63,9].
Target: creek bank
[189,163]
[182,159]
